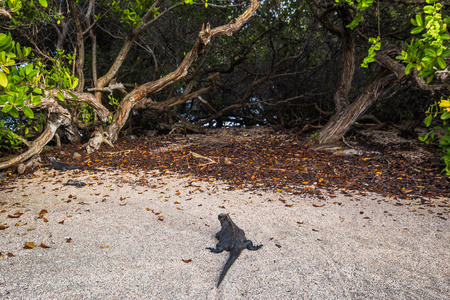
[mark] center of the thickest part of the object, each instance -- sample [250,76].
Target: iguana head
[223,217]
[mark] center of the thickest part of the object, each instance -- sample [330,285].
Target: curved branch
[204,37]
[58,116]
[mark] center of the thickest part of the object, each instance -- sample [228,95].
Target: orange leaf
[29,245]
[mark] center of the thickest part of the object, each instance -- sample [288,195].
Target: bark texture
[340,123]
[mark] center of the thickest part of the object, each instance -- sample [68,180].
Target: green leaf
[441,63]
[43,3]
[7,108]
[430,52]
[429,9]
[13,112]
[36,100]
[75,83]
[72,95]
[409,68]
[28,112]
[28,69]
[3,79]
[416,30]
[419,20]
[427,121]
[445,115]
[60,96]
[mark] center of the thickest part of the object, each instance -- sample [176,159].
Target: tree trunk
[79,62]
[392,70]
[340,123]
[58,116]
[348,70]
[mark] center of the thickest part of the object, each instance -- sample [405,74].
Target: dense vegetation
[93,70]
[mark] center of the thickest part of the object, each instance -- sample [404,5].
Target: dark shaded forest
[112,69]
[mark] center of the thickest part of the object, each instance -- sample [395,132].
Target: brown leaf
[316,205]
[15,215]
[9,254]
[68,240]
[29,245]
[61,222]
[42,245]
[186,260]
[3,227]
[104,247]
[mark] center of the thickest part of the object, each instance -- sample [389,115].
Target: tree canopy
[94,70]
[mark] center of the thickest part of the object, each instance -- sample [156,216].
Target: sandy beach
[142,235]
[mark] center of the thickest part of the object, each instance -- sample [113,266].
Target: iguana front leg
[219,248]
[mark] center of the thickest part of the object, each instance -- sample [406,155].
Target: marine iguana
[63,166]
[231,238]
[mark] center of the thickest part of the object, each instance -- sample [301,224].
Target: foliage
[426,55]
[23,81]
[442,133]
[362,5]
[19,78]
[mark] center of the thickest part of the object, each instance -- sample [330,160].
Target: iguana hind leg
[249,245]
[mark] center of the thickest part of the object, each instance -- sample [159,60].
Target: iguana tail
[234,254]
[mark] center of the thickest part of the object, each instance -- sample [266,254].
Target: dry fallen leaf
[315,205]
[104,247]
[29,245]
[16,215]
[186,260]
[42,245]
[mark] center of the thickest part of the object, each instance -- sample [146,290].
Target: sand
[143,236]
